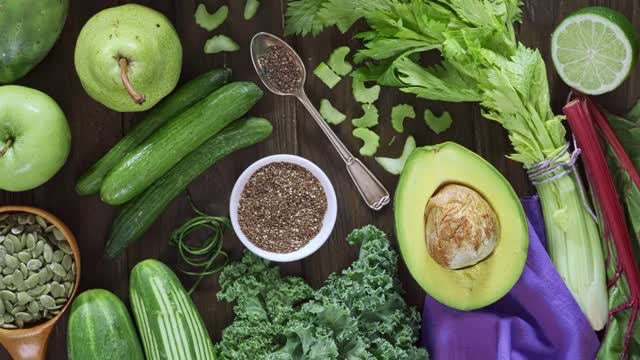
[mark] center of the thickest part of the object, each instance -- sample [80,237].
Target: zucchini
[139,214]
[100,327]
[175,140]
[170,326]
[183,98]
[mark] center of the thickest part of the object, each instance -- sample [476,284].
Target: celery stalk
[574,247]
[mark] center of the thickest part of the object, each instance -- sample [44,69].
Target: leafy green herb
[324,73]
[399,113]
[369,119]
[331,114]
[371,141]
[365,95]
[438,124]
[212,21]
[337,61]
[395,165]
[206,258]
[251,9]
[359,314]
[220,43]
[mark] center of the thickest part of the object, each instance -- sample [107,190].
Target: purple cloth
[537,319]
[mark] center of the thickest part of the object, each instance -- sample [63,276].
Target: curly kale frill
[359,314]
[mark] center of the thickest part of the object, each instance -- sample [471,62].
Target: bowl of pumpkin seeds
[39,268]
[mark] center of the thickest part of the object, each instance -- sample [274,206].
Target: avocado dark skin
[28,30]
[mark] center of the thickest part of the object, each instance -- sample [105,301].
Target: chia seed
[281,68]
[282,207]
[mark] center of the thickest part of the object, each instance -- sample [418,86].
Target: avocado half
[427,170]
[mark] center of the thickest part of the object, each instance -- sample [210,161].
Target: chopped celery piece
[324,73]
[331,114]
[220,43]
[365,95]
[369,119]
[395,165]
[371,141]
[438,123]
[212,21]
[337,61]
[251,9]
[399,113]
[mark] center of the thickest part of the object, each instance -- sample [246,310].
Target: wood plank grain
[96,128]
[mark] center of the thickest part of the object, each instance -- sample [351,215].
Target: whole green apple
[34,138]
[128,57]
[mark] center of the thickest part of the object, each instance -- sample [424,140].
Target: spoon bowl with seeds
[39,276]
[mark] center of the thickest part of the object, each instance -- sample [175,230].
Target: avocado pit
[461,228]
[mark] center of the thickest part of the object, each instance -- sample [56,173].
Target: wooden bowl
[30,343]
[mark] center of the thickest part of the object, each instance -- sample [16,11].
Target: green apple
[34,138]
[128,57]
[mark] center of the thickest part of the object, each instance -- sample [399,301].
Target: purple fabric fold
[537,319]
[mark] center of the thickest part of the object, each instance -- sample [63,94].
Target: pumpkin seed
[2,308]
[34,264]
[57,290]
[23,256]
[33,307]
[37,250]
[61,301]
[8,326]
[8,295]
[47,253]
[11,261]
[65,247]
[17,309]
[9,244]
[37,291]
[8,306]
[57,256]
[18,279]
[57,269]
[7,271]
[47,301]
[31,281]
[24,298]
[8,280]
[17,230]
[31,241]
[8,318]
[67,260]
[58,234]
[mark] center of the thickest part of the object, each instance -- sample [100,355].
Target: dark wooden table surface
[96,128]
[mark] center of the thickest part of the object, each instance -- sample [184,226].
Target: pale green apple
[34,138]
[129,43]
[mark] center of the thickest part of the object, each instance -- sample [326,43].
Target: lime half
[594,50]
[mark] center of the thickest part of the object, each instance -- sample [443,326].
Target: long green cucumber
[100,328]
[175,140]
[186,96]
[135,217]
[169,323]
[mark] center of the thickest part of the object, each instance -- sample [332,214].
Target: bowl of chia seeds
[39,269]
[283,208]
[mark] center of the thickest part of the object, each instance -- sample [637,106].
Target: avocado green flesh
[427,170]
[28,30]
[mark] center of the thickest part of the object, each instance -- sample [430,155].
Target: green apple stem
[124,63]
[6,147]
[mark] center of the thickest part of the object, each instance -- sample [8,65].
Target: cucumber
[175,140]
[100,327]
[170,326]
[183,98]
[139,214]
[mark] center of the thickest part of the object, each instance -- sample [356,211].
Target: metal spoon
[372,191]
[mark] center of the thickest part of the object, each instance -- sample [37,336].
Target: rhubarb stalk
[584,119]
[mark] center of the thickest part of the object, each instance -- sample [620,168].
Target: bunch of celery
[481,62]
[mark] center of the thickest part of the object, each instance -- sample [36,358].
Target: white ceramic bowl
[327,224]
